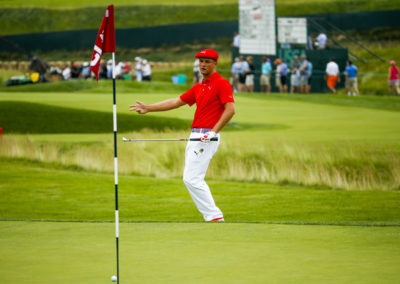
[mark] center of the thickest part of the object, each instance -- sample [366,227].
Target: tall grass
[347,166]
[18,17]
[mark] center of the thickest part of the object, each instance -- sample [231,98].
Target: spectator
[126,70]
[75,70]
[85,73]
[393,77]
[310,43]
[242,74]
[278,63]
[196,72]
[118,70]
[138,69]
[103,70]
[295,75]
[332,74]
[66,73]
[304,74]
[236,40]
[351,78]
[265,80]
[283,70]
[250,75]
[310,70]
[235,75]
[321,41]
[146,69]
[109,69]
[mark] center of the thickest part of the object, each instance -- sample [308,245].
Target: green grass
[64,120]
[198,253]
[41,16]
[54,192]
[102,86]
[315,140]
[285,222]
[62,4]
[179,248]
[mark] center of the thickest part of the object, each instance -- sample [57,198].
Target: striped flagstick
[105,42]
[115,165]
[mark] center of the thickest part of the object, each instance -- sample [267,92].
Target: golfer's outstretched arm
[142,108]
[228,113]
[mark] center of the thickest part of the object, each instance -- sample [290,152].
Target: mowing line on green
[306,223]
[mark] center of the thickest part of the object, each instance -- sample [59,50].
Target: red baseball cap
[207,53]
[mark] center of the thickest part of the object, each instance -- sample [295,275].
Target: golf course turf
[283,224]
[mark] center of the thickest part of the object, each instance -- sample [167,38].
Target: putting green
[41,252]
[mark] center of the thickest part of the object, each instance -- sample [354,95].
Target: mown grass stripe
[306,223]
[24,117]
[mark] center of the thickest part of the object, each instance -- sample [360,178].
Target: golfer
[214,108]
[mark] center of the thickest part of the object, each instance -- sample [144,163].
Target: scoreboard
[292,30]
[257,27]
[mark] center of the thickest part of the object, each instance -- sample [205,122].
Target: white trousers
[197,159]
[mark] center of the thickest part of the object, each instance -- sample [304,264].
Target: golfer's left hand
[206,138]
[139,108]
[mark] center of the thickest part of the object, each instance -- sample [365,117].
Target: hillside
[18,17]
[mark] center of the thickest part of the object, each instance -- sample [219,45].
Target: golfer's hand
[206,138]
[139,108]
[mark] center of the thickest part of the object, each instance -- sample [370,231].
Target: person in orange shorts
[332,74]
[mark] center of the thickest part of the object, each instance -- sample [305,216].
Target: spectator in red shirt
[214,109]
[393,79]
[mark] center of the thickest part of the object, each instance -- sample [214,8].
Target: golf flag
[105,41]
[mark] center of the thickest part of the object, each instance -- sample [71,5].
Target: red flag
[105,41]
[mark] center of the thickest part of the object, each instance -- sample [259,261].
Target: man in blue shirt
[310,68]
[283,72]
[351,79]
[265,80]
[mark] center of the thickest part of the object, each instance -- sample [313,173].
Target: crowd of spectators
[299,72]
[123,70]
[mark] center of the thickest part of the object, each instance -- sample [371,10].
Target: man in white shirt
[66,73]
[321,40]
[236,40]
[332,74]
[146,69]
[138,69]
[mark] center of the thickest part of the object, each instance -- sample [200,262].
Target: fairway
[42,252]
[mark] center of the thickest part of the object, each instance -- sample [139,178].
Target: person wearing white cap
[146,70]
[118,70]
[85,73]
[138,69]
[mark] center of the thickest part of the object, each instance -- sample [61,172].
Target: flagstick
[115,166]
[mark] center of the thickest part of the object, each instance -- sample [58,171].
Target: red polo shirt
[209,96]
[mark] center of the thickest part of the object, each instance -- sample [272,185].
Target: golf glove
[206,138]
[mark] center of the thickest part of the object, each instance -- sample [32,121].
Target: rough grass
[323,141]
[41,16]
[339,166]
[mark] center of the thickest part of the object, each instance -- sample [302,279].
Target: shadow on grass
[33,118]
